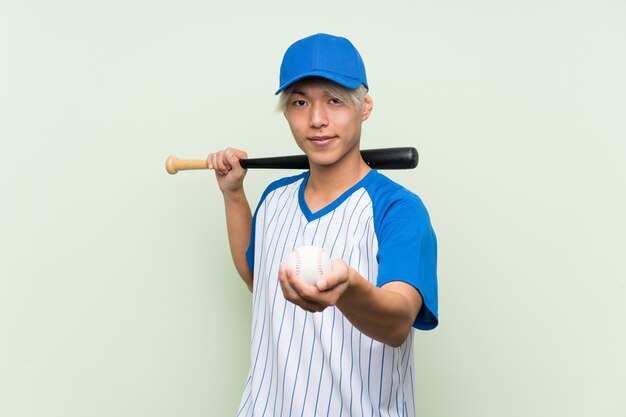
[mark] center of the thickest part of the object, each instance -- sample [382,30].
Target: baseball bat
[383,158]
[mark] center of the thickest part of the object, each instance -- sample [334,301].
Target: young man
[342,346]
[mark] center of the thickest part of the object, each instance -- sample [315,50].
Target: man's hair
[353,98]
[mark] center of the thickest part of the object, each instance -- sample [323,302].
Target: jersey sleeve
[250,251]
[407,252]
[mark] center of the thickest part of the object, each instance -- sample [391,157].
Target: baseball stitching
[298,262]
[320,270]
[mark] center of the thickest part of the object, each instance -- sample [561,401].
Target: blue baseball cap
[325,56]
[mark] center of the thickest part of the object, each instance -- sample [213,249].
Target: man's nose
[318,116]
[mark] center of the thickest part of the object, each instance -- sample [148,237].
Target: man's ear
[366,108]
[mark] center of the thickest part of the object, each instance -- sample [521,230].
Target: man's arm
[239,225]
[230,176]
[385,314]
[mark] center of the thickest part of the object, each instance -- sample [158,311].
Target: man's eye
[335,100]
[299,103]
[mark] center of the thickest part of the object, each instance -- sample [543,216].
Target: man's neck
[326,183]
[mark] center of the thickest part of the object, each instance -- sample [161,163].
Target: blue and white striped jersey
[317,364]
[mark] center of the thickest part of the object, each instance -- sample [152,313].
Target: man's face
[324,127]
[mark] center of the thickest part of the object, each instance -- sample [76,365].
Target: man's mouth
[321,140]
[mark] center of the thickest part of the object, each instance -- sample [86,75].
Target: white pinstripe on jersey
[317,364]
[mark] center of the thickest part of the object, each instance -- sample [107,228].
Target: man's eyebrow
[301,93]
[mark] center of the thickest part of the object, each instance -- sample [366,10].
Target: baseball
[310,263]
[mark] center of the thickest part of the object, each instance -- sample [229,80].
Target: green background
[117,293]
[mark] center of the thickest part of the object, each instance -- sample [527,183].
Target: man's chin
[322,161]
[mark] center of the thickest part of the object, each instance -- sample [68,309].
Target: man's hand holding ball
[311,280]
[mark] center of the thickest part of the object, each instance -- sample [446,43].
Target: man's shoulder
[282,183]
[383,189]
[392,201]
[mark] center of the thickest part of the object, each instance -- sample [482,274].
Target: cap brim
[347,82]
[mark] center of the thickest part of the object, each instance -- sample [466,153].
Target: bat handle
[173,164]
